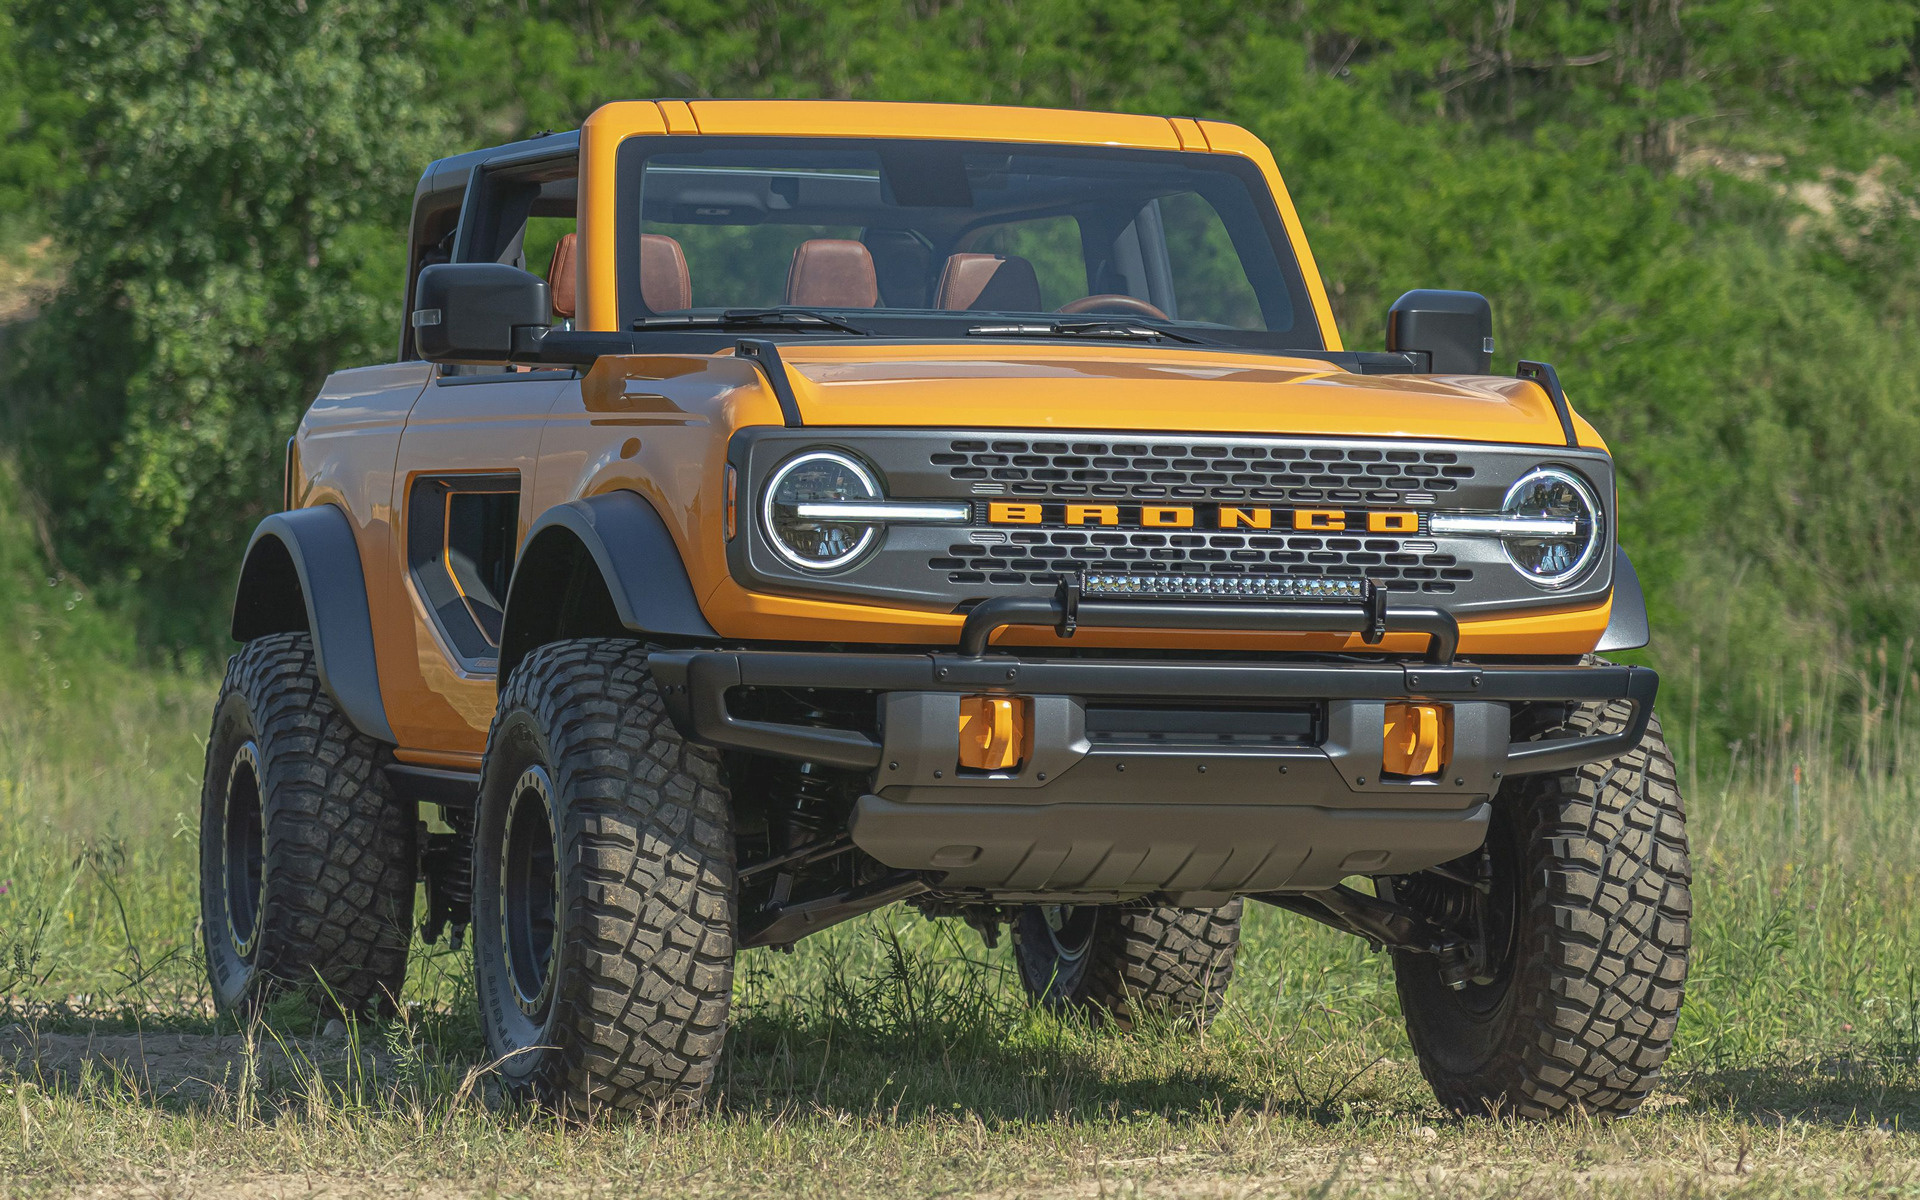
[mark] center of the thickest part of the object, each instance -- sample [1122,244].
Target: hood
[1054,386]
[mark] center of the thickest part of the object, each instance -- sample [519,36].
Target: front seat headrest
[665,284]
[560,279]
[1001,282]
[832,273]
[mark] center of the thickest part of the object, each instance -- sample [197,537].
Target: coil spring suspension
[446,863]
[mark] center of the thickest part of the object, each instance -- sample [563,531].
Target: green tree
[35,112]
[234,234]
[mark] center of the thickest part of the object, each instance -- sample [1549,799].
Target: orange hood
[1054,386]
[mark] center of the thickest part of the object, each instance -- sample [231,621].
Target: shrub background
[1703,211]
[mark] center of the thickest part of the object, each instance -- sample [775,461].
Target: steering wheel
[1112,303]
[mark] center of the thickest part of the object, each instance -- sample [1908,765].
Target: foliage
[233,237]
[35,158]
[1703,211]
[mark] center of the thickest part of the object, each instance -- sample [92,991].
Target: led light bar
[1226,587]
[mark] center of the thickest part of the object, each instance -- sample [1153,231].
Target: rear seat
[832,273]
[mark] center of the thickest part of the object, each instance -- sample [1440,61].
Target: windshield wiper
[1125,330]
[755,318]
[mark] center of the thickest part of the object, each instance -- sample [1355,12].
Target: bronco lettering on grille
[1200,516]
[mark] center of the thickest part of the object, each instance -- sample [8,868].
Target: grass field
[896,1057]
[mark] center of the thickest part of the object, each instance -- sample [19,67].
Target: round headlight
[1552,494]
[818,477]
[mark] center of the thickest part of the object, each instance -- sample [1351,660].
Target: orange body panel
[659,425]
[1065,386]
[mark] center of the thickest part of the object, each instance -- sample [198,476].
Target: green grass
[893,1056]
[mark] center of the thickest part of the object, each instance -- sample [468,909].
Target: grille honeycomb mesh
[1152,470]
[1156,470]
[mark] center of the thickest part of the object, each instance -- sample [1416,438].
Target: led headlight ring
[1548,561]
[835,544]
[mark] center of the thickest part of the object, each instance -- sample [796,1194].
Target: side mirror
[479,313]
[1453,329]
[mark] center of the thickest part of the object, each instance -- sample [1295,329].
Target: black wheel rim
[243,851]
[1070,930]
[530,893]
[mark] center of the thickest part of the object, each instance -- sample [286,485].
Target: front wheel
[1121,964]
[603,888]
[1586,916]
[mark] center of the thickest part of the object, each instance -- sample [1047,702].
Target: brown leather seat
[665,284]
[1002,282]
[832,273]
[560,280]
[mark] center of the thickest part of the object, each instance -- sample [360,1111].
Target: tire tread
[647,962]
[337,910]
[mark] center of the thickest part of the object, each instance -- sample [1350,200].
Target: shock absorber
[446,862]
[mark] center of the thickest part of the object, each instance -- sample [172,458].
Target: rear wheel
[306,858]
[1586,914]
[1123,964]
[603,888]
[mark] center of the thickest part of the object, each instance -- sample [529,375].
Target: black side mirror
[1453,329]
[479,313]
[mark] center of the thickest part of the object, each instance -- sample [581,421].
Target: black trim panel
[695,684]
[435,785]
[636,557]
[313,550]
[1548,379]
[468,610]
[766,355]
[1627,626]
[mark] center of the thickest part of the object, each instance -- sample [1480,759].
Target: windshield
[890,235]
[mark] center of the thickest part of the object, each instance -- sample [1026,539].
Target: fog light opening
[996,732]
[1419,739]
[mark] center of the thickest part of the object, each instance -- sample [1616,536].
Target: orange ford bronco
[968,507]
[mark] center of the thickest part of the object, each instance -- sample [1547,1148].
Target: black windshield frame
[1287,276]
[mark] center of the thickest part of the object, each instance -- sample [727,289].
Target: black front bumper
[1187,816]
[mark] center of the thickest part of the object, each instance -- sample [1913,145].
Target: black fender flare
[302,575]
[599,566]
[1627,627]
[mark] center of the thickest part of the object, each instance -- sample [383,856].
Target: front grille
[1152,470]
[950,567]
[1043,556]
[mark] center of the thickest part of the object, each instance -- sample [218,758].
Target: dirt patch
[28,276]
[184,1065]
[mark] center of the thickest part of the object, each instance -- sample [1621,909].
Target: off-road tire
[1133,964]
[1580,1016]
[639,973]
[329,850]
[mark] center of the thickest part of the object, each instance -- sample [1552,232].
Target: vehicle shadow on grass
[1871,1085]
[1007,1064]
[776,1065]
